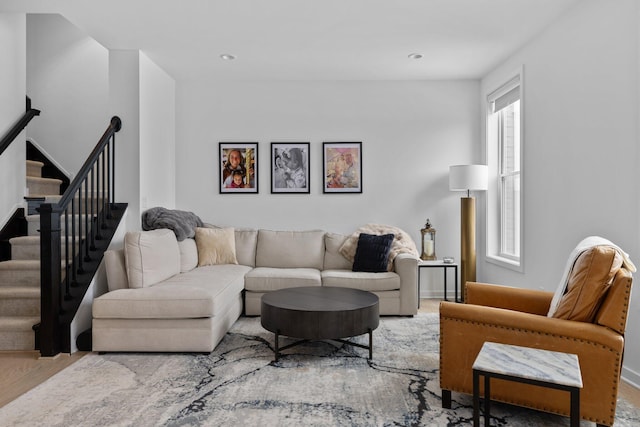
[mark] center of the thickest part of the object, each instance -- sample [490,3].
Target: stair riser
[34,169]
[17,340]
[20,307]
[32,252]
[33,227]
[43,188]
[20,278]
[78,207]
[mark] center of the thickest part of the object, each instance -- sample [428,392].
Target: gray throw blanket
[182,223]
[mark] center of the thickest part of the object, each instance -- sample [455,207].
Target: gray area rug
[321,384]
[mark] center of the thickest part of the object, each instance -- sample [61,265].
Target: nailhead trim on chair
[617,353]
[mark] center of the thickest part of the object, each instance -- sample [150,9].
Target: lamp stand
[467,241]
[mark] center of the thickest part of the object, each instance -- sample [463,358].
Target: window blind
[506,95]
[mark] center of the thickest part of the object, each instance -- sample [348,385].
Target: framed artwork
[290,167]
[342,163]
[238,164]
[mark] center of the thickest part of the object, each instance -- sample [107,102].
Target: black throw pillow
[372,253]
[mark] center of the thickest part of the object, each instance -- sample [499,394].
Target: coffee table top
[320,312]
[320,298]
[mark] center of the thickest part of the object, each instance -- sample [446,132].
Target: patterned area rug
[321,384]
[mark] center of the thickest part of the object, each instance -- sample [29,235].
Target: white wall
[67,78]
[157,136]
[124,102]
[410,131]
[580,175]
[12,93]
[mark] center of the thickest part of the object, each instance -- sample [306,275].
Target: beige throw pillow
[216,246]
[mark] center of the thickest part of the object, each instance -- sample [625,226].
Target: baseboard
[631,377]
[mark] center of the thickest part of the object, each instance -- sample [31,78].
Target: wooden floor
[21,371]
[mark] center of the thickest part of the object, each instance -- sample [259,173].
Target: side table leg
[487,400]
[455,272]
[575,407]
[276,349]
[370,344]
[476,399]
[445,283]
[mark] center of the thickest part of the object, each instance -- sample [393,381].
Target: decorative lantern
[428,242]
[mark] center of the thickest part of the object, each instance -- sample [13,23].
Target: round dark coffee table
[319,313]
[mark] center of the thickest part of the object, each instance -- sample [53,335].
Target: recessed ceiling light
[415,55]
[228,57]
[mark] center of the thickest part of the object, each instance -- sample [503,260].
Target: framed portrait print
[238,164]
[290,167]
[342,163]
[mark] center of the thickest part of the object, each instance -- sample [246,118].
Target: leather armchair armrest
[529,325]
[518,299]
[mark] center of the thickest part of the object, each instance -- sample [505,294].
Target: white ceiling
[311,39]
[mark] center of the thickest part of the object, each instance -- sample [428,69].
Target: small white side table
[444,266]
[526,365]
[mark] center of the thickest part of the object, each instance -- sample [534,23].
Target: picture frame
[238,167]
[342,167]
[290,167]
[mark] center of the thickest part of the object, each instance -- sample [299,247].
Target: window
[504,155]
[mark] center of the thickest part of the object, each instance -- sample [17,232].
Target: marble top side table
[526,365]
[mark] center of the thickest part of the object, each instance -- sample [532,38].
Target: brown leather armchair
[519,316]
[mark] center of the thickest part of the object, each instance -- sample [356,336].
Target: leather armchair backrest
[615,307]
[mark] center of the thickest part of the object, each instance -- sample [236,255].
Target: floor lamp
[467,178]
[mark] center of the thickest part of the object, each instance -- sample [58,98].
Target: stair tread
[42,179]
[35,163]
[18,323]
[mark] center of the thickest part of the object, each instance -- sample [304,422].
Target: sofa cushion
[155,302]
[372,253]
[588,283]
[333,259]
[264,279]
[151,256]
[387,281]
[246,240]
[202,292]
[216,246]
[188,255]
[290,249]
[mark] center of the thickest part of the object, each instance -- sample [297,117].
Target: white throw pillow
[151,257]
[216,246]
[188,255]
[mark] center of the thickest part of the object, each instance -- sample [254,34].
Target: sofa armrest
[518,299]
[406,266]
[116,270]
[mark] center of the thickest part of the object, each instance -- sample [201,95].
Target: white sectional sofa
[159,299]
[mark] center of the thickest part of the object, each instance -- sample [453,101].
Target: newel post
[50,264]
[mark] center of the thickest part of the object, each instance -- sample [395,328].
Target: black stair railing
[22,122]
[72,242]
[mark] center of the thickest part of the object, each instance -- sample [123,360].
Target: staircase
[20,276]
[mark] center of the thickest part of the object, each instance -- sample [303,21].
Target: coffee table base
[277,349]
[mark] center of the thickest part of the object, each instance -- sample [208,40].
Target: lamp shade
[468,177]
